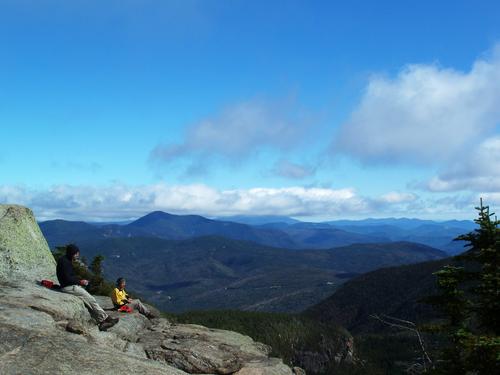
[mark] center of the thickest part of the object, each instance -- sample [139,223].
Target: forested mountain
[393,291]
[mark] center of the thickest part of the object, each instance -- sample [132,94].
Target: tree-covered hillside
[393,291]
[218,273]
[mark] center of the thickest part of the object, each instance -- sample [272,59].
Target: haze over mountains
[190,262]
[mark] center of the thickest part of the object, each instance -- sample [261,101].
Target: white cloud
[476,170]
[238,132]
[425,115]
[491,199]
[119,202]
[398,197]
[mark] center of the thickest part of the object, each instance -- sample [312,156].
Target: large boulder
[24,253]
[199,350]
[38,336]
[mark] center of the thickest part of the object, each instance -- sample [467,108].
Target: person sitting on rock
[71,284]
[121,298]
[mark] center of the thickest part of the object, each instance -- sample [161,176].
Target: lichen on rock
[24,253]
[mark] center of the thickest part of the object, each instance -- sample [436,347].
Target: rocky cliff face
[24,253]
[44,331]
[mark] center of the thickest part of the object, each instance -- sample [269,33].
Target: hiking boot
[107,323]
[110,319]
[151,316]
[104,326]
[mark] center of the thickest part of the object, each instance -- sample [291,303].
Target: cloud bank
[120,202]
[426,115]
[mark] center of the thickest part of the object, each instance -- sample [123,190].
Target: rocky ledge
[44,331]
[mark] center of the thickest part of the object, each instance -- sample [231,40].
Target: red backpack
[47,283]
[125,309]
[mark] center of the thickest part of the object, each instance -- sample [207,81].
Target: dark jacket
[65,272]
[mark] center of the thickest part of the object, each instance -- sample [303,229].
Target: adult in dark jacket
[71,284]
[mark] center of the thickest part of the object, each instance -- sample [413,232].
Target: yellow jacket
[119,297]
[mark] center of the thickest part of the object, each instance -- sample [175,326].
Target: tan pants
[95,310]
[137,305]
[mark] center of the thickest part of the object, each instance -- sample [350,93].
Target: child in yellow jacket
[120,298]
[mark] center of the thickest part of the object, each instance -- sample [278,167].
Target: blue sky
[313,109]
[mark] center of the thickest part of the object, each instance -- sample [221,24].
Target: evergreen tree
[97,283]
[470,300]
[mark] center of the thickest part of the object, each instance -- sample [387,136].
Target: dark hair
[119,281]
[71,250]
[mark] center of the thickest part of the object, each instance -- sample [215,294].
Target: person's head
[120,283]
[72,252]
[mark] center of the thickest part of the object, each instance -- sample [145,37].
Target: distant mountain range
[259,220]
[163,225]
[275,231]
[440,234]
[432,233]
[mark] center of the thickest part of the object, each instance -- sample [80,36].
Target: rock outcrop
[24,253]
[44,331]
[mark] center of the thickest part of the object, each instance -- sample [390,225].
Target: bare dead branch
[405,325]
